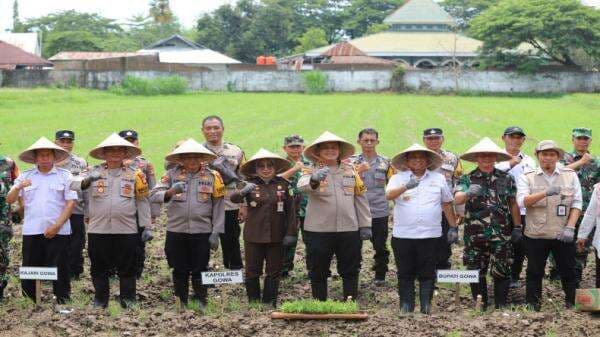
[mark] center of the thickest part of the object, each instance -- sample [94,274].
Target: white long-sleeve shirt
[591,219]
[527,164]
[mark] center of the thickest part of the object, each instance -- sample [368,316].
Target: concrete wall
[252,78]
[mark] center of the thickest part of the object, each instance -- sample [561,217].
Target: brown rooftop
[12,57]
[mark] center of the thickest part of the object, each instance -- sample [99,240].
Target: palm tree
[161,11]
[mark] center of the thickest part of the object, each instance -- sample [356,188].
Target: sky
[186,10]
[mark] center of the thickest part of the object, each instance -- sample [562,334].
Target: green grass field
[254,120]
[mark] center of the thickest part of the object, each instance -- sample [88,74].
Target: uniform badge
[279,187]
[127,189]
[253,203]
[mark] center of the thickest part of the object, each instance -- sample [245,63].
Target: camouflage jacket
[588,174]
[301,197]
[8,174]
[488,216]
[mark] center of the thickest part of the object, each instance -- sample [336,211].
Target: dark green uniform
[589,175]
[301,202]
[8,173]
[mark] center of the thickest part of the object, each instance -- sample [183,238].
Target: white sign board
[222,277]
[38,273]
[458,276]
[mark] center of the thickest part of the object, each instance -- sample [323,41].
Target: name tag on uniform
[561,210]
[126,188]
[280,206]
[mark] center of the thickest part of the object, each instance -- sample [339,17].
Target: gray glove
[452,236]
[552,190]
[178,187]
[516,235]
[289,240]
[247,188]
[87,181]
[412,183]
[474,191]
[567,235]
[319,174]
[365,233]
[213,240]
[147,235]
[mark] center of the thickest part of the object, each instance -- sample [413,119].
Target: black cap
[293,140]
[64,134]
[514,130]
[433,132]
[131,134]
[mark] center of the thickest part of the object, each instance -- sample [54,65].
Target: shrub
[132,85]
[315,82]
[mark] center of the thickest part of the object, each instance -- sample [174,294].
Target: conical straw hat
[43,143]
[435,160]
[190,146]
[249,168]
[115,140]
[346,148]
[485,145]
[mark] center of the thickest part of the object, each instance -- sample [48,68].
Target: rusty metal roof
[343,49]
[359,60]
[12,56]
[89,55]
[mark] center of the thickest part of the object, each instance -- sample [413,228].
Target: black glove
[365,233]
[567,235]
[213,240]
[222,166]
[412,183]
[474,191]
[178,187]
[319,175]
[247,188]
[87,181]
[289,240]
[452,236]
[147,235]
[516,235]
[552,190]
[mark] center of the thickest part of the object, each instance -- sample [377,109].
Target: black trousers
[518,256]
[321,248]
[597,269]
[269,255]
[415,258]
[444,249]
[109,251]
[187,254]
[140,253]
[379,227]
[76,244]
[38,251]
[230,241]
[537,253]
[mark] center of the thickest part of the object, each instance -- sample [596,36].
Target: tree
[311,39]
[554,28]
[161,11]
[75,40]
[17,24]
[362,14]
[465,10]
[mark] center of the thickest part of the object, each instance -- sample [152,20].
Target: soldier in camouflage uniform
[142,164]
[588,170]
[293,146]
[75,165]
[451,168]
[490,197]
[8,174]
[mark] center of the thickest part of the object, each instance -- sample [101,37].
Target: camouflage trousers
[494,254]
[5,236]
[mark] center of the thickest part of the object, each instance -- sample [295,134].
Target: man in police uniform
[375,171]
[75,165]
[513,138]
[230,159]
[116,204]
[433,138]
[147,168]
[293,146]
[587,167]
[8,173]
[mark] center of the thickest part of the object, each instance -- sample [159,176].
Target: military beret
[132,134]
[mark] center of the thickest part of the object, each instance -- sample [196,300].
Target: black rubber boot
[253,290]
[200,292]
[2,287]
[569,288]
[319,290]
[182,287]
[270,291]
[350,288]
[480,289]
[501,286]
[101,292]
[127,291]
[406,291]
[425,295]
